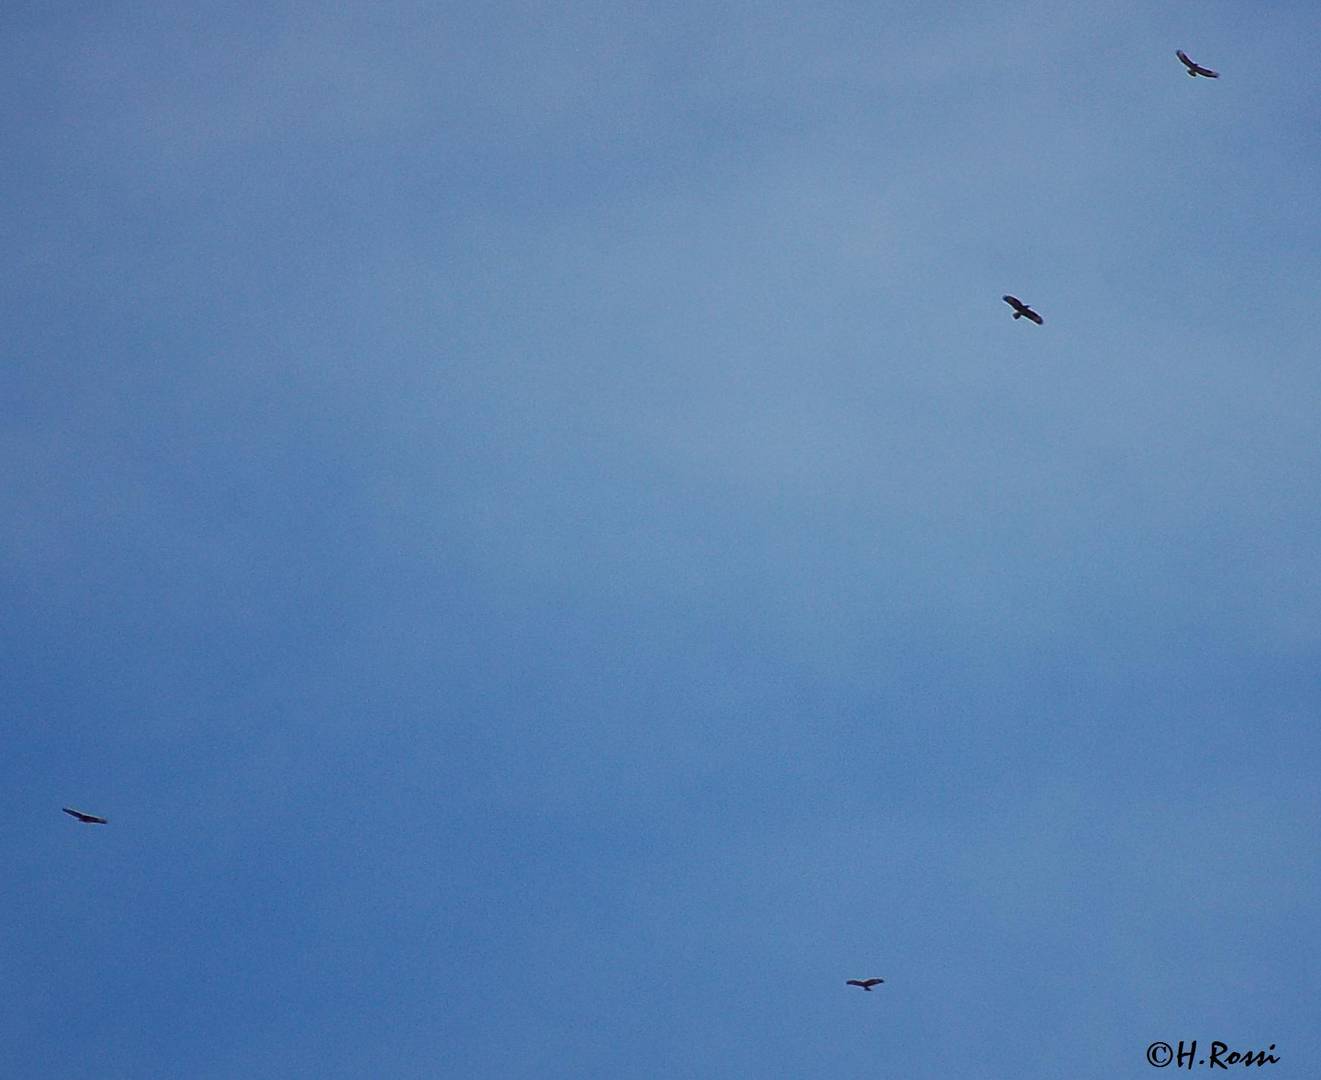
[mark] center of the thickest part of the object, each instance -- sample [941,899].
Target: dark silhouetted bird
[1195,69]
[866,984]
[86,819]
[1022,311]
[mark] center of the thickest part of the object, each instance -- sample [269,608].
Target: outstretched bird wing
[86,819]
[1028,313]
[1184,57]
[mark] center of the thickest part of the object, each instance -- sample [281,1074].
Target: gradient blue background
[535,525]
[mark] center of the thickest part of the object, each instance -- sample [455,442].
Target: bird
[86,819]
[1021,310]
[866,984]
[1195,69]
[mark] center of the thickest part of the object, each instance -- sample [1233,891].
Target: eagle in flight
[1195,69]
[1022,311]
[86,819]
[866,984]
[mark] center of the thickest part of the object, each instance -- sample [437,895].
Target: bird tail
[1018,314]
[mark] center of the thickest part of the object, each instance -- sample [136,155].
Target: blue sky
[538,530]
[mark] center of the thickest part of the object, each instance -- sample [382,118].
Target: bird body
[1195,69]
[866,984]
[86,819]
[1022,311]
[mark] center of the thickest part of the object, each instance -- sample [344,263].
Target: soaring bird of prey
[1195,69]
[866,984]
[1022,311]
[86,819]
